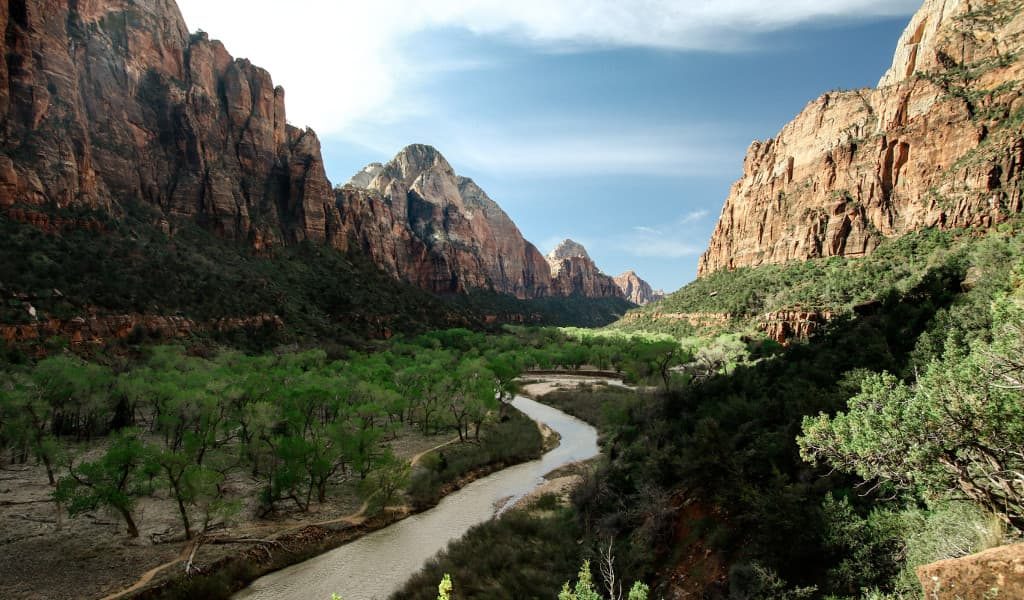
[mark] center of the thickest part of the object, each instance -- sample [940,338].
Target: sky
[618,123]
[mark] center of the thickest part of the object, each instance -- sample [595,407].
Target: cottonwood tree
[113,481]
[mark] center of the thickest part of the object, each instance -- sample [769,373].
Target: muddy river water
[376,565]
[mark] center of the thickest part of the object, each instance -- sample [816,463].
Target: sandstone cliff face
[939,143]
[637,290]
[995,573]
[573,273]
[423,223]
[106,103]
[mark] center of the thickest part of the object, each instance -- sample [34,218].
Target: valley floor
[47,556]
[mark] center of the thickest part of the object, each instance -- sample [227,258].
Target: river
[376,565]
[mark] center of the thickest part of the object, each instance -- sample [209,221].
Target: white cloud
[546,148]
[693,216]
[666,241]
[341,62]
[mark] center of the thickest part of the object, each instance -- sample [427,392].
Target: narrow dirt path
[150,574]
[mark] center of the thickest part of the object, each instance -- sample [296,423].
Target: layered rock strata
[939,143]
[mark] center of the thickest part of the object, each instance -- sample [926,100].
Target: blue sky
[583,121]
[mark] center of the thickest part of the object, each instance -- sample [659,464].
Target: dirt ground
[44,555]
[536,388]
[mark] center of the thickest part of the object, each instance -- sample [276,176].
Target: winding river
[376,565]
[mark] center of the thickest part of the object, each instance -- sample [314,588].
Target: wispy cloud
[693,216]
[343,62]
[675,240]
[542,148]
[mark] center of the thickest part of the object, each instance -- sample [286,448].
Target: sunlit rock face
[939,143]
[636,290]
[574,273]
[113,105]
[424,223]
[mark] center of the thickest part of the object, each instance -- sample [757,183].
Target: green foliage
[726,442]
[585,589]
[835,284]
[444,589]
[113,481]
[959,430]
[519,555]
[508,441]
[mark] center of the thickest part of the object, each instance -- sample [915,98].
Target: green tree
[585,589]
[444,589]
[959,430]
[113,481]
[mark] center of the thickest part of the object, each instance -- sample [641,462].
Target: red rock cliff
[940,143]
[106,103]
[431,227]
[574,273]
[112,105]
[636,289]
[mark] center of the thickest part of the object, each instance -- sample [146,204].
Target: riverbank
[377,565]
[97,560]
[214,577]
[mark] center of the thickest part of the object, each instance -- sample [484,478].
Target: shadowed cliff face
[939,143]
[423,223]
[106,104]
[110,102]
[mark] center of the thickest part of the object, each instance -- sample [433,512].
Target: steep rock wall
[939,143]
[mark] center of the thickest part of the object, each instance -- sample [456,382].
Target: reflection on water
[377,564]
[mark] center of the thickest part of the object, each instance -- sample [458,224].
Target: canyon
[114,107]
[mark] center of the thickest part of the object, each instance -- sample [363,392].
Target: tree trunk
[133,531]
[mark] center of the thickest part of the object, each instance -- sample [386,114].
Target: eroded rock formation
[424,223]
[573,273]
[637,290]
[940,143]
[113,105]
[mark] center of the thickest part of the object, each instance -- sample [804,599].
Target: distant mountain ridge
[465,241]
[637,290]
[940,143]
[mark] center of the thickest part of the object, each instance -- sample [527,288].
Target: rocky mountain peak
[568,249]
[416,159]
[363,178]
[636,290]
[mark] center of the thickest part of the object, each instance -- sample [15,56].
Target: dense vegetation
[128,265]
[827,469]
[931,435]
[297,423]
[834,284]
[133,266]
[831,469]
